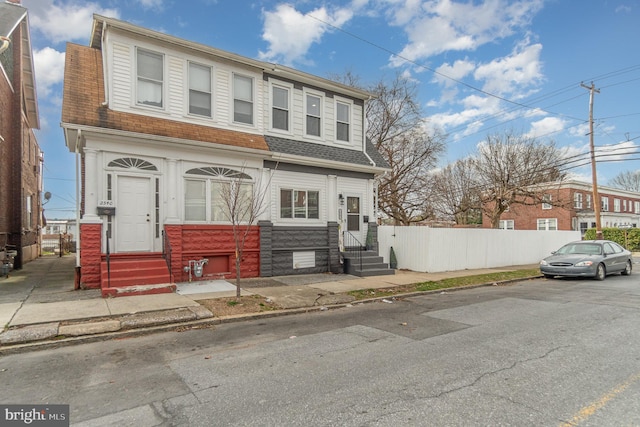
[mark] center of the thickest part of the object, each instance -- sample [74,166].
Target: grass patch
[454,282]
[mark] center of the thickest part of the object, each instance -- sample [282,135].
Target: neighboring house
[58,232]
[20,155]
[571,207]
[162,124]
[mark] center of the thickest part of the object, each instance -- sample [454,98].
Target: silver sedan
[587,258]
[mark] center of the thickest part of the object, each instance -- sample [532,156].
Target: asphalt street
[540,353]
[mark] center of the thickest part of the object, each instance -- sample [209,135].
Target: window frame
[546,201]
[212,183]
[320,97]
[577,200]
[189,89]
[293,215]
[507,224]
[252,102]
[604,204]
[138,78]
[349,124]
[616,205]
[547,224]
[272,107]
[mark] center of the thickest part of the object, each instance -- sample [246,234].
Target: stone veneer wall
[277,245]
[91,255]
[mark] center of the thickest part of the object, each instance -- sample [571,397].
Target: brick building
[20,155]
[571,207]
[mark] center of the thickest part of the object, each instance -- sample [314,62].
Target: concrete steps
[370,264]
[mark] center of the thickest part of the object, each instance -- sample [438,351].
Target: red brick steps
[135,275]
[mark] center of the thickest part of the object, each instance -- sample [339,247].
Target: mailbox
[106,207]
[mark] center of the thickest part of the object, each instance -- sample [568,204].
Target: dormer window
[199,90]
[150,71]
[242,99]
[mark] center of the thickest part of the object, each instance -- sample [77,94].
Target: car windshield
[581,248]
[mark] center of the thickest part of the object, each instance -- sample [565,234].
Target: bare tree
[627,180]
[456,194]
[243,201]
[397,128]
[509,169]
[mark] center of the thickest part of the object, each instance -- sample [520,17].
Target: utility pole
[596,198]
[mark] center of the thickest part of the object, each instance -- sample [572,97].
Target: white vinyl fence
[448,249]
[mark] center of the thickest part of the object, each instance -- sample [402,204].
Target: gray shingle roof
[319,151]
[10,16]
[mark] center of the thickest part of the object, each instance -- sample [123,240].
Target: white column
[332,198]
[91,185]
[263,189]
[171,181]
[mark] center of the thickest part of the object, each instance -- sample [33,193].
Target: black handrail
[167,252]
[353,245]
[108,259]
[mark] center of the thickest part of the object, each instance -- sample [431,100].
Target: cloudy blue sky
[481,67]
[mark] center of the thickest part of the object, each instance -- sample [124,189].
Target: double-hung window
[546,201]
[280,108]
[150,78]
[210,196]
[343,120]
[199,90]
[314,115]
[299,204]
[616,205]
[242,99]
[604,202]
[577,200]
[547,224]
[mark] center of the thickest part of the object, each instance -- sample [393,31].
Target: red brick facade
[572,208]
[20,169]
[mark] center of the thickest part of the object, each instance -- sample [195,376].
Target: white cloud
[546,127]
[49,67]
[459,70]
[437,26]
[291,33]
[65,21]
[151,4]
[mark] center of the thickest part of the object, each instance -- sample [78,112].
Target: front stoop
[127,275]
[372,264]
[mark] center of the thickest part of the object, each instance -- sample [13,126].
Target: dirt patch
[233,306]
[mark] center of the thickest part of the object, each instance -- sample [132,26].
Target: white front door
[133,218]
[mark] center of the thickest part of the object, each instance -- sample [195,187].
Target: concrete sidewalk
[38,304]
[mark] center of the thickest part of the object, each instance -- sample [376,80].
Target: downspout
[78,202]
[104,65]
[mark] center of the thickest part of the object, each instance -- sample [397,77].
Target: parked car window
[581,248]
[608,249]
[617,248]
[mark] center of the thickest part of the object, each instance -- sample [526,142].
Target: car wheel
[627,269]
[600,272]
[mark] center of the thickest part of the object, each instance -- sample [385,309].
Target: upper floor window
[299,204]
[616,205]
[546,201]
[280,108]
[577,200]
[314,115]
[624,205]
[150,71]
[199,90]
[636,206]
[588,201]
[343,120]
[605,204]
[242,99]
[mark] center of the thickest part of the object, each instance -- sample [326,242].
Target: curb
[48,335]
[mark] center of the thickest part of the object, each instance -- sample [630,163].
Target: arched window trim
[219,172]
[132,163]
